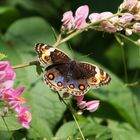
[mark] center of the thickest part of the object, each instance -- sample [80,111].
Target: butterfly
[64,74]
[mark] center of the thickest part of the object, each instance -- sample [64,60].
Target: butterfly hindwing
[95,76]
[49,55]
[54,78]
[62,78]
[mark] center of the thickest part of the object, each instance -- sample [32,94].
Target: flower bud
[104,15]
[128,5]
[136,27]
[108,27]
[94,17]
[137,16]
[138,41]
[126,18]
[128,32]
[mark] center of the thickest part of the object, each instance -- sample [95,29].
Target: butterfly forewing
[49,55]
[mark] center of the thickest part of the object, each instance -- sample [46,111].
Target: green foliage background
[26,22]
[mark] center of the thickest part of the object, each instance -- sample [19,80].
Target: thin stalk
[123,57]
[78,126]
[72,112]
[25,65]
[127,38]
[125,66]
[7,127]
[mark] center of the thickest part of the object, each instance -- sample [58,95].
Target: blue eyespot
[59,79]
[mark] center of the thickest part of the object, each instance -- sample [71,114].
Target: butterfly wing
[62,74]
[95,76]
[61,77]
[54,78]
[77,87]
[49,55]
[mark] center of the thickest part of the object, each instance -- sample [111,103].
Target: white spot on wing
[97,75]
[48,52]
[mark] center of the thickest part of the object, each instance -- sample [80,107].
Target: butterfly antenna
[54,33]
[71,50]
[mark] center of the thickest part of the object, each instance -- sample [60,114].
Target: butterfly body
[66,75]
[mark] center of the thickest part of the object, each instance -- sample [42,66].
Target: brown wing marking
[96,77]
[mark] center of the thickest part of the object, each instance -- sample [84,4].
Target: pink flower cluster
[127,20]
[12,97]
[78,21]
[91,106]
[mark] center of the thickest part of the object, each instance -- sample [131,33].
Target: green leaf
[11,122]
[69,128]
[123,131]
[112,54]
[7,16]
[89,129]
[39,69]
[5,135]
[39,129]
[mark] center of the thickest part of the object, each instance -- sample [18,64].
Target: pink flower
[126,19]
[11,94]
[128,5]
[77,22]
[94,17]
[24,116]
[91,106]
[12,97]
[68,20]
[79,98]
[80,17]
[7,75]
[136,27]
[108,27]
[16,104]
[105,15]
[4,65]
[137,16]
[81,104]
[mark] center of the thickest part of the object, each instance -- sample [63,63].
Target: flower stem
[123,56]
[72,112]
[7,127]
[26,64]
[129,39]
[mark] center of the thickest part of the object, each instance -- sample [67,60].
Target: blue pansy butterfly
[66,75]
